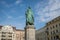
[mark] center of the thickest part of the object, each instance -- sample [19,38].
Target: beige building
[53,29]
[41,34]
[20,34]
[50,32]
[11,33]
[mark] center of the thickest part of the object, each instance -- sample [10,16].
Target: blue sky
[12,12]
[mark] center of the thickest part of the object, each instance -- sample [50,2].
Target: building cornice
[54,20]
[19,30]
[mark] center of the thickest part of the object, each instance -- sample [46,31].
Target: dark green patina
[29,17]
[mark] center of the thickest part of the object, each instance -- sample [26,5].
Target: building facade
[20,34]
[41,34]
[11,33]
[53,29]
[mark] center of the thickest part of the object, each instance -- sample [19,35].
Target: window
[10,36]
[3,35]
[50,27]
[53,32]
[51,38]
[3,39]
[48,38]
[53,26]
[57,37]
[9,39]
[56,25]
[47,32]
[10,33]
[47,28]
[54,37]
[56,30]
[3,32]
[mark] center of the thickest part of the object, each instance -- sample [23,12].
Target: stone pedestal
[30,32]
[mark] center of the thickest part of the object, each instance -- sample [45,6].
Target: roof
[19,30]
[1,26]
[54,20]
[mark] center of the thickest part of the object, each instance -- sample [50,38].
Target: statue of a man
[29,17]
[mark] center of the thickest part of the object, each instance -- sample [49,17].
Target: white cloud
[4,3]
[19,25]
[49,12]
[11,4]
[18,1]
[9,17]
[6,14]
[55,4]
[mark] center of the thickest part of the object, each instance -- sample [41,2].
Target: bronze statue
[29,17]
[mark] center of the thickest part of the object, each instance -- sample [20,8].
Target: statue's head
[29,10]
[29,7]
